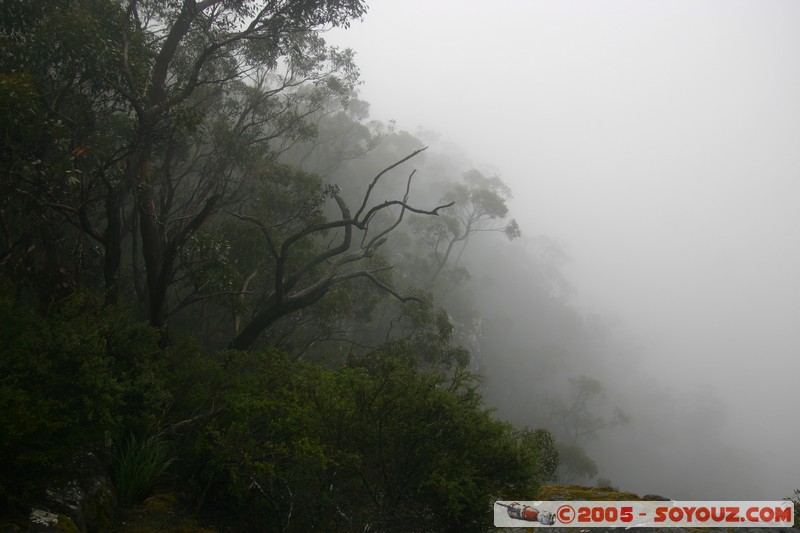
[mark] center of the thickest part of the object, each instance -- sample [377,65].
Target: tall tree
[213,46]
[63,129]
[479,206]
[578,420]
[300,284]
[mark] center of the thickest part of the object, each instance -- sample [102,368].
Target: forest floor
[164,512]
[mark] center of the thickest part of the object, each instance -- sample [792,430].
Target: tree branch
[399,219]
[378,177]
[378,283]
[308,266]
[264,230]
[384,205]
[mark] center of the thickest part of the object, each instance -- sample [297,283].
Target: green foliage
[208,261]
[139,465]
[424,334]
[379,445]
[68,377]
[574,463]
[286,197]
[62,128]
[139,154]
[480,204]
[541,441]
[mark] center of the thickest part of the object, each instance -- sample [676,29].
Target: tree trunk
[275,310]
[112,241]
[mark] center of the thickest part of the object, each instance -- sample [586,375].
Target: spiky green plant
[139,465]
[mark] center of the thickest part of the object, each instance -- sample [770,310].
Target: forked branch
[302,286]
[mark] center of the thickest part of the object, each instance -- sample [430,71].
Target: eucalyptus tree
[302,273]
[185,101]
[479,205]
[245,57]
[64,131]
[343,133]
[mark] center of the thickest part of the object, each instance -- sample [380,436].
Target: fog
[657,143]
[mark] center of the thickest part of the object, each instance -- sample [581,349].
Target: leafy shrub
[69,375]
[383,447]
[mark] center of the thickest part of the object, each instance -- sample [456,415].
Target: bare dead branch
[321,258]
[397,222]
[435,211]
[378,177]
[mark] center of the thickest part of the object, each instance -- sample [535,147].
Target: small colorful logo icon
[529,514]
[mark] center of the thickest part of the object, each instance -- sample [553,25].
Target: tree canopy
[208,249]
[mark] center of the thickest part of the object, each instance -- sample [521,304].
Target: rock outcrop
[82,502]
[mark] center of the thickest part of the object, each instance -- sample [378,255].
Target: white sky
[659,142]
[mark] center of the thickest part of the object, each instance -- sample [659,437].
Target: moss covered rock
[580,493]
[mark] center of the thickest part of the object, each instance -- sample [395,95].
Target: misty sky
[659,142]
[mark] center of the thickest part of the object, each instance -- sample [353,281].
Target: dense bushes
[276,444]
[70,376]
[295,446]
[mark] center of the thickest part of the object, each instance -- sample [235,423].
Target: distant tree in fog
[479,206]
[577,421]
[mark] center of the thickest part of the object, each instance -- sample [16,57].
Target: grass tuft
[139,465]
